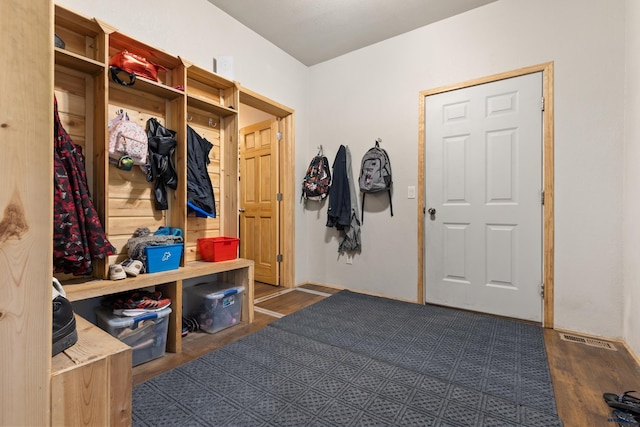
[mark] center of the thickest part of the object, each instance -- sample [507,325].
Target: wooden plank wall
[131,203]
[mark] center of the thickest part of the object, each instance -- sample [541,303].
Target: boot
[64,321]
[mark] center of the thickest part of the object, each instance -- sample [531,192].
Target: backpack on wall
[375,174]
[317,180]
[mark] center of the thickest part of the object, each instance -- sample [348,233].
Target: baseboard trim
[268,312]
[373,294]
[634,356]
[274,295]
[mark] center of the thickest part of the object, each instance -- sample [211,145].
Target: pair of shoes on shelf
[189,324]
[131,267]
[139,302]
[64,333]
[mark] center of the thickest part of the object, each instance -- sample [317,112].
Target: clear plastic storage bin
[215,306]
[145,334]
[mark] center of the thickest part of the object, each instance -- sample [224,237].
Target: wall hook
[190,118]
[211,123]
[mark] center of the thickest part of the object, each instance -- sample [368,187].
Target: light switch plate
[411,192]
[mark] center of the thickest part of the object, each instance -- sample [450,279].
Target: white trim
[277,294]
[268,312]
[310,291]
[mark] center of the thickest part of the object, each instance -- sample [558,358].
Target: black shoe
[64,325]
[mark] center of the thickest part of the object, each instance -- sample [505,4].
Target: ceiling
[314,31]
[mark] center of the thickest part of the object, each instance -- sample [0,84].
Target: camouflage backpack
[317,180]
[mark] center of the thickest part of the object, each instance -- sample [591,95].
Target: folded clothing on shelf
[143,238]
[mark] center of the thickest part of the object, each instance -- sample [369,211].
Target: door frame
[547,177]
[286,184]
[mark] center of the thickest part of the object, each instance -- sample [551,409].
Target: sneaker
[116,272]
[132,267]
[190,323]
[140,302]
[64,333]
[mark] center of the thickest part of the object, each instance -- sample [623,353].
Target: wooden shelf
[77,62]
[144,86]
[85,289]
[207,78]
[204,104]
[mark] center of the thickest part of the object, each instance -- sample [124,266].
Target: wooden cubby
[91,382]
[212,110]
[184,95]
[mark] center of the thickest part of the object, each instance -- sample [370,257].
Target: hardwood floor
[580,373]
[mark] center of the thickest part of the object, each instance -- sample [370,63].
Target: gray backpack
[375,174]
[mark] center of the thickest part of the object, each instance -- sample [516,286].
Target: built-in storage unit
[184,95]
[91,381]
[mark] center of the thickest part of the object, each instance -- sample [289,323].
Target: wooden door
[258,199]
[483,225]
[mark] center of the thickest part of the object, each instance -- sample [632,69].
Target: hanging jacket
[343,203]
[78,236]
[200,197]
[351,241]
[339,212]
[162,145]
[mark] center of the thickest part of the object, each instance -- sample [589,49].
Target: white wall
[198,31]
[631,228]
[373,93]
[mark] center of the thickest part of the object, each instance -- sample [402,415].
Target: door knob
[432,211]
[241,210]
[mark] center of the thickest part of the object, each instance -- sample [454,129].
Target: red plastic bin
[214,249]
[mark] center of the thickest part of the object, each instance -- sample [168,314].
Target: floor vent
[588,341]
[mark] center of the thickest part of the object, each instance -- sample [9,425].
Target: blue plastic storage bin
[163,258]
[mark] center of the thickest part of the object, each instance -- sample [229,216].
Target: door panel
[483,170]
[259,207]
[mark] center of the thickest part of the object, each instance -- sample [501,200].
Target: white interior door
[483,183]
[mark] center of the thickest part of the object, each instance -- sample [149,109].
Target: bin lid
[115,321]
[215,290]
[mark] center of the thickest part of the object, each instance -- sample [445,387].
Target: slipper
[132,267]
[624,401]
[116,272]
